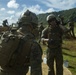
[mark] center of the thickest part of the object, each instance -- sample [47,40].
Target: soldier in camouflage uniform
[41,27]
[71,27]
[5,23]
[28,23]
[52,35]
[61,20]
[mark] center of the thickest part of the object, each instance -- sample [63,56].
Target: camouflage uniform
[61,19]
[40,31]
[54,51]
[34,58]
[71,27]
[5,22]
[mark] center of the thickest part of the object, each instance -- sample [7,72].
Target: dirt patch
[45,70]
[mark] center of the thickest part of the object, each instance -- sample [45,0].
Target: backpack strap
[20,56]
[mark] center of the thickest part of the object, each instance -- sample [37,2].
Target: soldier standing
[28,23]
[71,28]
[5,23]
[41,27]
[53,36]
[61,20]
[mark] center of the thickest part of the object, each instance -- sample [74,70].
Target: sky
[13,9]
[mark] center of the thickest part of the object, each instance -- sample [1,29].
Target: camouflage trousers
[22,71]
[72,32]
[55,54]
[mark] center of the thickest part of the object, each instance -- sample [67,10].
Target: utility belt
[54,43]
[51,46]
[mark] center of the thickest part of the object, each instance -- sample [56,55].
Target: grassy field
[69,53]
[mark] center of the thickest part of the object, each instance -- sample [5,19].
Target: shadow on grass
[71,67]
[65,48]
[69,54]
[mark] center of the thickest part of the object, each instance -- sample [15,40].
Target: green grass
[75,28]
[69,53]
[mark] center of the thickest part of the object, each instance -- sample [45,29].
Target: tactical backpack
[14,50]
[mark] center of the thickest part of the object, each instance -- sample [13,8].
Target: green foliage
[67,14]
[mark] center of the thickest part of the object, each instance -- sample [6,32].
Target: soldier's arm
[44,36]
[44,41]
[36,59]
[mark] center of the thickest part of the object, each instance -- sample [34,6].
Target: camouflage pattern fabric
[29,23]
[71,27]
[34,60]
[55,54]
[54,51]
[40,32]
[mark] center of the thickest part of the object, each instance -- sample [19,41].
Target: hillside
[67,14]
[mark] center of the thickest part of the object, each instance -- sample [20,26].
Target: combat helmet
[50,17]
[28,18]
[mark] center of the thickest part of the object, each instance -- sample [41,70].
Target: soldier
[52,35]
[5,23]
[29,23]
[41,27]
[71,28]
[61,19]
